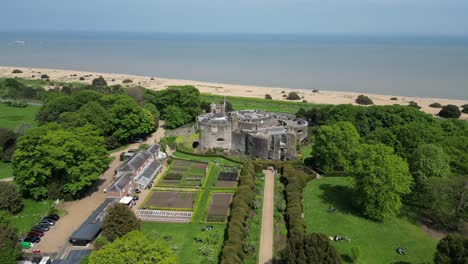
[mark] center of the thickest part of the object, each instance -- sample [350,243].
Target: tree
[74,158]
[130,120]
[380,179]
[12,199]
[450,111]
[7,140]
[99,81]
[452,249]
[313,248]
[268,97]
[51,110]
[134,247]
[137,93]
[97,115]
[293,96]
[364,100]
[175,117]
[333,146]
[9,249]
[119,221]
[428,160]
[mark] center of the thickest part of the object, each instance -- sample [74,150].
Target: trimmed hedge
[241,207]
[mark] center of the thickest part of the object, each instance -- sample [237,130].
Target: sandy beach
[158,83]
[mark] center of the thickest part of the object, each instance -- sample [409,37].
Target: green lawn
[306,151]
[241,103]
[377,241]
[30,214]
[11,117]
[219,160]
[6,170]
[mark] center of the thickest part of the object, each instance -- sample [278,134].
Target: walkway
[266,238]
[56,239]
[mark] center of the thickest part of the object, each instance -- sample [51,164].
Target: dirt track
[56,240]
[266,239]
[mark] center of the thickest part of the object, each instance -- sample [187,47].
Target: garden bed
[219,207]
[171,199]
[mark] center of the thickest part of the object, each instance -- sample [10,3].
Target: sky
[239,16]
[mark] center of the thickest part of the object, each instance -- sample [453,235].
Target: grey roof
[135,162]
[74,257]
[120,184]
[154,149]
[145,177]
[91,227]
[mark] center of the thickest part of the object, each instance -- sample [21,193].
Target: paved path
[266,238]
[56,239]
[9,179]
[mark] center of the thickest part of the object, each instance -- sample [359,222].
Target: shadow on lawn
[338,197]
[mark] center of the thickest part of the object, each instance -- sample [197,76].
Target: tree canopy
[313,248]
[73,158]
[450,111]
[9,249]
[380,178]
[11,201]
[452,249]
[119,221]
[134,247]
[428,160]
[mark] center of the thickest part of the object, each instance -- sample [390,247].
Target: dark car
[52,217]
[47,222]
[35,234]
[32,239]
[42,228]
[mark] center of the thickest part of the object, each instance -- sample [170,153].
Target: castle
[255,133]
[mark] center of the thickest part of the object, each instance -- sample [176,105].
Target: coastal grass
[11,117]
[241,103]
[6,170]
[218,160]
[30,214]
[377,241]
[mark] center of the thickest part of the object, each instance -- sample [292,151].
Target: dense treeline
[9,248]
[302,247]
[395,153]
[241,206]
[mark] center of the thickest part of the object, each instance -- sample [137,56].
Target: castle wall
[215,135]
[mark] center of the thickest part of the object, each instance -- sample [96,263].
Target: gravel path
[266,239]
[56,239]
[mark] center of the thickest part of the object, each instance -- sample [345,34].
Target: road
[56,239]
[266,238]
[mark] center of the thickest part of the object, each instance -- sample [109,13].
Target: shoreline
[159,83]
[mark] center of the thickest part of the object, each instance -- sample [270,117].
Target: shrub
[452,249]
[152,78]
[394,99]
[283,92]
[17,71]
[435,105]
[82,78]
[304,101]
[450,111]
[267,96]
[293,96]
[465,110]
[99,81]
[13,203]
[45,76]
[127,81]
[315,90]
[119,221]
[364,100]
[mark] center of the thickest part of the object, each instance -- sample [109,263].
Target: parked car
[32,239]
[47,222]
[35,234]
[54,217]
[42,228]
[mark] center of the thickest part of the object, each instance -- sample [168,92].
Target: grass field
[377,241]
[205,159]
[11,117]
[5,170]
[30,214]
[241,103]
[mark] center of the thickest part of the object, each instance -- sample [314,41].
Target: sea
[409,65]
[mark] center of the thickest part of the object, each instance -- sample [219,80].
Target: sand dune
[157,83]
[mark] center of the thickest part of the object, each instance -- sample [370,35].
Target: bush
[45,76]
[11,200]
[17,71]
[364,100]
[315,90]
[465,110]
[119,221]
[82,78]
[293,96]
[414,104]
[268,97]
[435,105]
[99,81]
[450,111]
[452,249]
[127,81]
[394,99]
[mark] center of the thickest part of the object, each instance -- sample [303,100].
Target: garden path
[266,238]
